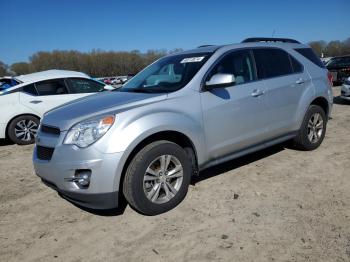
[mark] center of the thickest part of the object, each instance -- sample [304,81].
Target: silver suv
[180,115]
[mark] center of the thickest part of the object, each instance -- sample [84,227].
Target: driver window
[239,64]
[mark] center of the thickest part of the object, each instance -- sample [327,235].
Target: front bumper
[93,201]
[102,192]
[2,131]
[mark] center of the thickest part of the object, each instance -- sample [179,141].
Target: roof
[340,56]
[249,42]
[202,49]
[5,77]
[49,74]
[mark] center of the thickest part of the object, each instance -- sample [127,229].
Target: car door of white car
[46,95]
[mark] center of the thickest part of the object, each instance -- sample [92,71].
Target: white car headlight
[89,131]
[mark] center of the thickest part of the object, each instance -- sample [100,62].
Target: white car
[23,105]
[345,89]
[119,80]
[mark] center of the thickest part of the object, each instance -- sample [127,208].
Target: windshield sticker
[192,59]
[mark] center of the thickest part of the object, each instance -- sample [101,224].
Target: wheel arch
[14,117]
[173,136]
[323,103]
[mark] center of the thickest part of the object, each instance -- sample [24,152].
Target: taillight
[330,78]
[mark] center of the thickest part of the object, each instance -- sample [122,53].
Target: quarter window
[82,85]
[239,64]
[271,62]
[51,87]
[310,55]
[30,89]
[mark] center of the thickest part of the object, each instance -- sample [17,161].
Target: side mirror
[108,87]
[220,80]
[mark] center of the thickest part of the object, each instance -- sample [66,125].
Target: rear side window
[297,67]
[310,55]
[82,85]
[271,62]
[51,87]
[30,89]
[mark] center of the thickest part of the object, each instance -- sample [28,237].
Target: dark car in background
[339,67]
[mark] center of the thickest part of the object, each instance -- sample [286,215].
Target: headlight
[89,131]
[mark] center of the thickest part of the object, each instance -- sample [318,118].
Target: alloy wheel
[315,128]
[163,179]
[26,130]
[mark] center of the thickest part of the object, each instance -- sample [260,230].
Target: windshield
[339,61]
[7,83]
[167,74]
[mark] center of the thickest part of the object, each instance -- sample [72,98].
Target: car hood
[73,112]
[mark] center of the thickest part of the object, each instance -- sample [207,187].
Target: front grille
[44,153]
[50,130]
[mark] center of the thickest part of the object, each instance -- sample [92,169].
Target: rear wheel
[313,129]
[23,129]
[157,178]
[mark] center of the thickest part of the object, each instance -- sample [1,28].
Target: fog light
[82,177]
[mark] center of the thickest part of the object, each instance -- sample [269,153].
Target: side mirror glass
[220,80]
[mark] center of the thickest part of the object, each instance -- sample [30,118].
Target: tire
[310,136]
[22,130]
[156,196]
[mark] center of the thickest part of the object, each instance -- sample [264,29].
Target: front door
[234,117]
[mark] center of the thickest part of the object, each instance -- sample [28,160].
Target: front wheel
[313,129]
[22,130]
[157,178]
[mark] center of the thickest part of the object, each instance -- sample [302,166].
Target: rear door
[83,86]
[285,80]
[45,95]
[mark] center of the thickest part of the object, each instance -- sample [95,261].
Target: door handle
[257,92]
[35,101]
[300,81]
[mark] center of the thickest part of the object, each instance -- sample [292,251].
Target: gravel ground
[275,205]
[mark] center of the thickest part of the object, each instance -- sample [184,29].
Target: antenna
[273,33]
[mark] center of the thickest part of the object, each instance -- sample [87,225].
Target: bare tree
[3,69]
[21,68]
[332,48]
[94,63]
[318,46]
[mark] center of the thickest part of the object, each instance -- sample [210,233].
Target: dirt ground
[275,205]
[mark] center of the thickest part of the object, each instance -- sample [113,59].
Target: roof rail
[270,39]
[204,46]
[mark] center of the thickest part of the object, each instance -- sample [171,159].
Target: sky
[28,26]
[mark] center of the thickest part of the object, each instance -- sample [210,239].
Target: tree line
[332,48]
[99,63]
[96,63]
